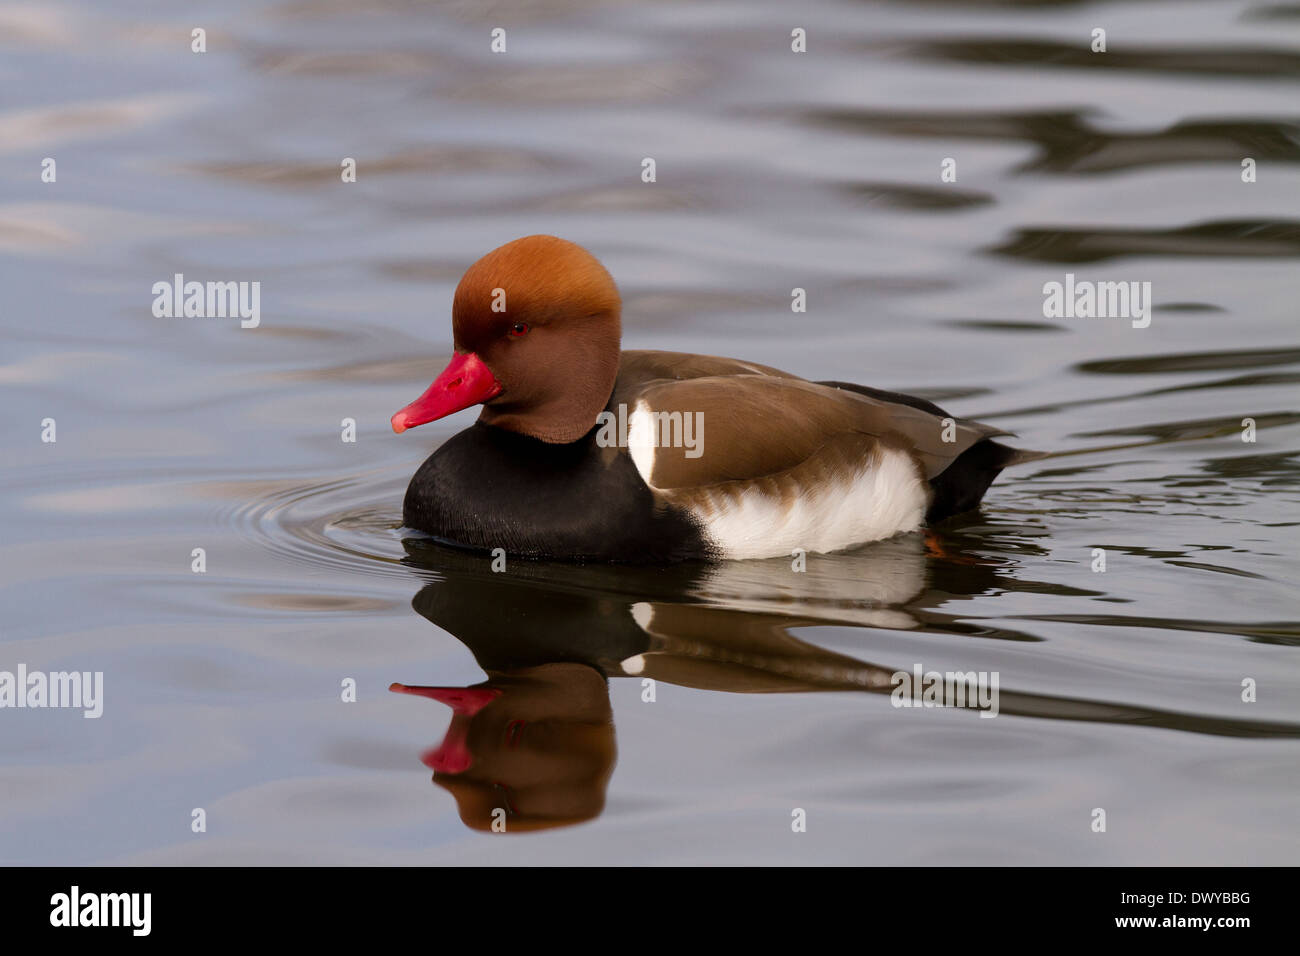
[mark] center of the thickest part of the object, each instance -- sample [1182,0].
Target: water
[1120,690]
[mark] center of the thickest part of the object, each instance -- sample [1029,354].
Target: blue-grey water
[1121,689]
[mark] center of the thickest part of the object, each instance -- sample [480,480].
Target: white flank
[882,499]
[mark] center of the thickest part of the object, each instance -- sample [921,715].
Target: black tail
[961,485]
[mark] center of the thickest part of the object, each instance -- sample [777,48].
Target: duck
[585,452]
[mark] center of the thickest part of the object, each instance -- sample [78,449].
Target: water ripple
[344,524]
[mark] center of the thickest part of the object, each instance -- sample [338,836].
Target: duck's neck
[566,410]
[558,422]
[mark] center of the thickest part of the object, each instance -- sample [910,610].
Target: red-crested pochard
[586,452]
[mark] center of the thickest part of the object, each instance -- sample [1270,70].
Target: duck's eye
[518,329]
[514,730]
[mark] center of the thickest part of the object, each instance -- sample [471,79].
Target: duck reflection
[533,746]
[530,748]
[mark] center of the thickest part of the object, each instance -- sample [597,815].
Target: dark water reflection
[535,741]
[1222,239]
[1214,60]
[1076,143]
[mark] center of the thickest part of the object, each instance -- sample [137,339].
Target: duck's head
[536,332]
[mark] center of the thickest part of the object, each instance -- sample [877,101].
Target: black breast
[488,488]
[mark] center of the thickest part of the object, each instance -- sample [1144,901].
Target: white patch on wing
[641,440]
[634,664]
[643,614]
[884,497]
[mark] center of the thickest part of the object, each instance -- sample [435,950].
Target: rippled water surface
[1121,689]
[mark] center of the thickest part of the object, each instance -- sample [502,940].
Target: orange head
[537,332]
